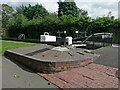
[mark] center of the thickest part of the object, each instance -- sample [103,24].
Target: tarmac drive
[15,76]
[108,56]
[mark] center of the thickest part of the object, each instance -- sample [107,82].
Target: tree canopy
[6,14]
[32,11]
[68,7]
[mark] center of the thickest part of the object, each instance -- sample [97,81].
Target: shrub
[52,24]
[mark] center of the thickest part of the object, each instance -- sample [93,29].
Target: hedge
[52,24]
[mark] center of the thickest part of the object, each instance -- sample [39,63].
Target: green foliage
[53,24]
[82,12]
[68,8]
[67,23]
[19,10]
[31,12]
[104,24]
[21,25]
[7,45]
[6,14]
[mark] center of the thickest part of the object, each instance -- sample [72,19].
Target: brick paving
[90,76]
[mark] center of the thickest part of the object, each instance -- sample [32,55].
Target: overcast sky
[95,8]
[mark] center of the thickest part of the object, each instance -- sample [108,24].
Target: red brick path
[91,76]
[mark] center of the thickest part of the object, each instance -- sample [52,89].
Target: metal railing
[21,36]
[95,40]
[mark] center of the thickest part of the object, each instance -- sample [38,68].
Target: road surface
[13,76]
[109,56]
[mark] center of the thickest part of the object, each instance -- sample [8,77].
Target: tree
[19,10]
[6,14]
[32,11]
[54,14]
[82,12]
[68,7]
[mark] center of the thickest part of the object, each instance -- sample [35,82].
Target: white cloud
[29,0]
[119,10]
[58,0]
[96,9]
[50,6]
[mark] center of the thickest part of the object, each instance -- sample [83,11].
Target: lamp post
[77,33]
[64,37]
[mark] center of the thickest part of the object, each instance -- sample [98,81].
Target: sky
[95,8]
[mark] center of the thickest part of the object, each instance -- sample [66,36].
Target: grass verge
[7,45]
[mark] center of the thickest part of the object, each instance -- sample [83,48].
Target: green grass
[6,37]
[7,45]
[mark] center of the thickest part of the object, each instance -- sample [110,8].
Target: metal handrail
[97,34]
[21,35]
